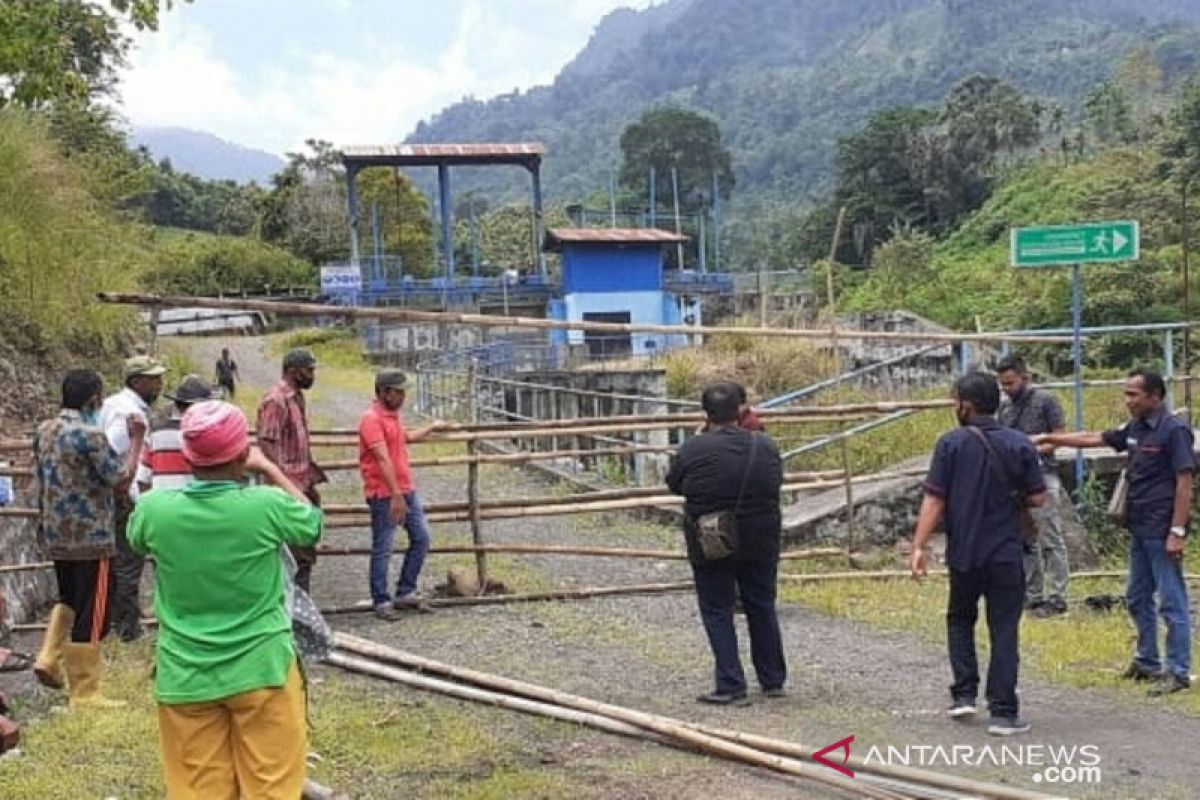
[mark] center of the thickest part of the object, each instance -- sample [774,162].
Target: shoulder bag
[717,531]
[1024,515]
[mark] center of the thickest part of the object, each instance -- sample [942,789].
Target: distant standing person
[979,474]
[229,689]
[729,472]
[391,494]
[283,438]
[227,374]
[1162,462]
[1033,412]
[79,477]
[143,384]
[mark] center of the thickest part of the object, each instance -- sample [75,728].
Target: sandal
[12,661]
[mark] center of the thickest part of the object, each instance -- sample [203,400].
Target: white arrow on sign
[1119,241]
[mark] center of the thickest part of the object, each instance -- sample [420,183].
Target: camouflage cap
[143,365]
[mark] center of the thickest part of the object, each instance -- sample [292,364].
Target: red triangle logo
[844,747]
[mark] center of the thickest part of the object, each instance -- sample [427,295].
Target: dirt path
[650,653]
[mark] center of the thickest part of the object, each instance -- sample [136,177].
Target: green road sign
[1093,243]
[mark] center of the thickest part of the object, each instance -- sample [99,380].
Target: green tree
[1108,114]
[667,138]
[56,50]
[404,218]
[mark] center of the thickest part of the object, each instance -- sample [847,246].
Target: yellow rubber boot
[84,666]
[49,664]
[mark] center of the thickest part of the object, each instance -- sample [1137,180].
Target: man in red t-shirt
[391,496]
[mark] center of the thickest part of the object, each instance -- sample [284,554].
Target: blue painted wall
[608,267]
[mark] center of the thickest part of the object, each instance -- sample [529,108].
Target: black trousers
[1002,586]
[127,569]
[755,583]
[87,587]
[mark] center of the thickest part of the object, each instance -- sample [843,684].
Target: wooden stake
[473,511]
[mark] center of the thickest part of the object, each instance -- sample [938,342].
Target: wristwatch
[1180,531]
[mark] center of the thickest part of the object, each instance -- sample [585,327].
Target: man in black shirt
[979,476]
[227,373]
[1034,412]
[731,469]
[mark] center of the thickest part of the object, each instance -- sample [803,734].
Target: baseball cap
[192,389]
[299,357]
[390,379]
[143,365]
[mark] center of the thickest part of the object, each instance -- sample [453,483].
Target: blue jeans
[383,535]
[1152,570]
[754,581]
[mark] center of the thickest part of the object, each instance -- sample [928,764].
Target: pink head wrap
[214,433]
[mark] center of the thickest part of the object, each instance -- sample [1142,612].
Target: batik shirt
[76,470]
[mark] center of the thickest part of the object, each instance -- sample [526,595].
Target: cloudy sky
[272,73]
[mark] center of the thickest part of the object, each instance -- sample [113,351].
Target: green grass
[1083,649]
[371,738]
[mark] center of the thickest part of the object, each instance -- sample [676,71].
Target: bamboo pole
[473,509]
[23,513]
[31,567]
[497,321]
[510,686]
[566,550]
[617,720]
[535,597]
[510,458]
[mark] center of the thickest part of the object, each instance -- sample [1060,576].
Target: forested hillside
[785,79]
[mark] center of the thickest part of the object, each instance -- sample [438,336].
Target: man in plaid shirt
[282,429]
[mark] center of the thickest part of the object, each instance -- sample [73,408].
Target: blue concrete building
[616,275]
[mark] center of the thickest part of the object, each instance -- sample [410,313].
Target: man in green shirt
[231,704]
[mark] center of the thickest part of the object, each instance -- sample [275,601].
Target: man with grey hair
[391,494]
[282,429]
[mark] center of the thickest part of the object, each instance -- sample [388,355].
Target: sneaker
[724,699]
[775,693]
[386,612]
[412,602]
[1008,726]
[1050,610]
[1034,605]
[961,708]
[1170,684]
[1139,674]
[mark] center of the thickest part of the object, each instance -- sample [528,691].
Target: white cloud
[376,95]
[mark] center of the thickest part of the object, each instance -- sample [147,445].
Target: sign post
[1075,245]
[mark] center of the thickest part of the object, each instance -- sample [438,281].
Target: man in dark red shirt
[391,494]
[282,429]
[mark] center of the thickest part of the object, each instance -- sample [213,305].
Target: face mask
[305,381]
[90,416]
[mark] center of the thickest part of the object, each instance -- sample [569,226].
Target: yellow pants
[251,745]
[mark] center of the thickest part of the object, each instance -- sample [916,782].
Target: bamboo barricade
[353,516]
[497,321]
[614,723]
[509,686]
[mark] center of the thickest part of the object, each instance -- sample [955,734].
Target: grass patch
[1085,649]
[371,737]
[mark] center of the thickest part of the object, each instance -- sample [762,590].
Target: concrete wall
[520,402]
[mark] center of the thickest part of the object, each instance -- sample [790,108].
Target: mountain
[786,78]
[207,156]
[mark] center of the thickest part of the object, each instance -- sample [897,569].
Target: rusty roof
[556,237]
[430,154]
